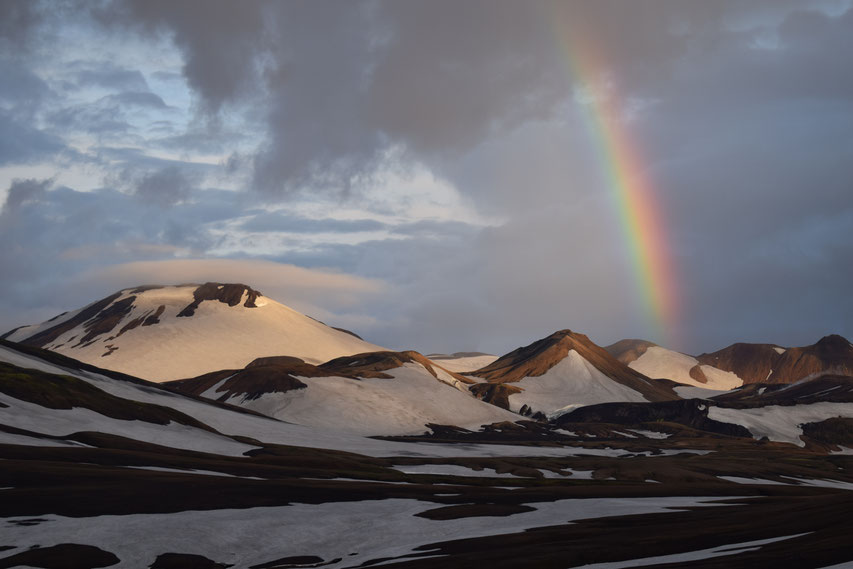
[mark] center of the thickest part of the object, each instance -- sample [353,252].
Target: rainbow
[640,214]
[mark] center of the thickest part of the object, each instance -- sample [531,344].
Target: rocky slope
[768,363]
[561,372]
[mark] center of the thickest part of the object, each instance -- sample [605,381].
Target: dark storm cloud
[218,37]
[17,20]
[742,113]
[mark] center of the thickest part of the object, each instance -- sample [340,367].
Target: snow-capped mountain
[562,372]
[378,393]
[169,332]
[655,361]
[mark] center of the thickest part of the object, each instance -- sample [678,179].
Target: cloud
[110,76]
[455,140]
[165,187]
[276,221]
[22,144]
[22,192]
[321,293]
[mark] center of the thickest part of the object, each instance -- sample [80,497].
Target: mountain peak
[170,332]
[833,342]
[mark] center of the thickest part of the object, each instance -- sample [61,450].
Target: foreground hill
[378,393]
[768,363]
[654,361]
[170,332]
[561,372]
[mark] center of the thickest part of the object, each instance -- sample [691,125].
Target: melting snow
[781,423]
[452,470]
[357,532]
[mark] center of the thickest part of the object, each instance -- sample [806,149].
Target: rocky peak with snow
[169,332]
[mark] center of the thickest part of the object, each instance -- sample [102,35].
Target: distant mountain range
[229,343]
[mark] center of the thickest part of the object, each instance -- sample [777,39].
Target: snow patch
[356,532]
[573,382]
[657,362]
[650,434]
[464,364]
[781,423]
[452,470]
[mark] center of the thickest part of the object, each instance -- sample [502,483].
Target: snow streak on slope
[144,335]
[401,405]
[572,382]
[657,362]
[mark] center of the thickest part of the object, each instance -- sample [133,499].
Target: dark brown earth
[689,412]
[62,556]
[540,356]
[66,392]
[185,561]
[373,364]
[697,374]
[495,393]
[106,320]
[230,294]
[753,363]
[834,433]
[831,388]
[50,335]
[295,561]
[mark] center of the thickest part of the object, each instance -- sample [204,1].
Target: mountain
[768,363]
[462,362]
[561,372]
[654,361]
[163,333]
[378,393]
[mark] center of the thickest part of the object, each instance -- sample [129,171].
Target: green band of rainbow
[640,214]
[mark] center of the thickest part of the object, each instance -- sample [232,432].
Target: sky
[439,175]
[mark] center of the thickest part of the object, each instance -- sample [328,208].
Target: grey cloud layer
[744,118]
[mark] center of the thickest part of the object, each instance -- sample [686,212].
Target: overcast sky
[423,172]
